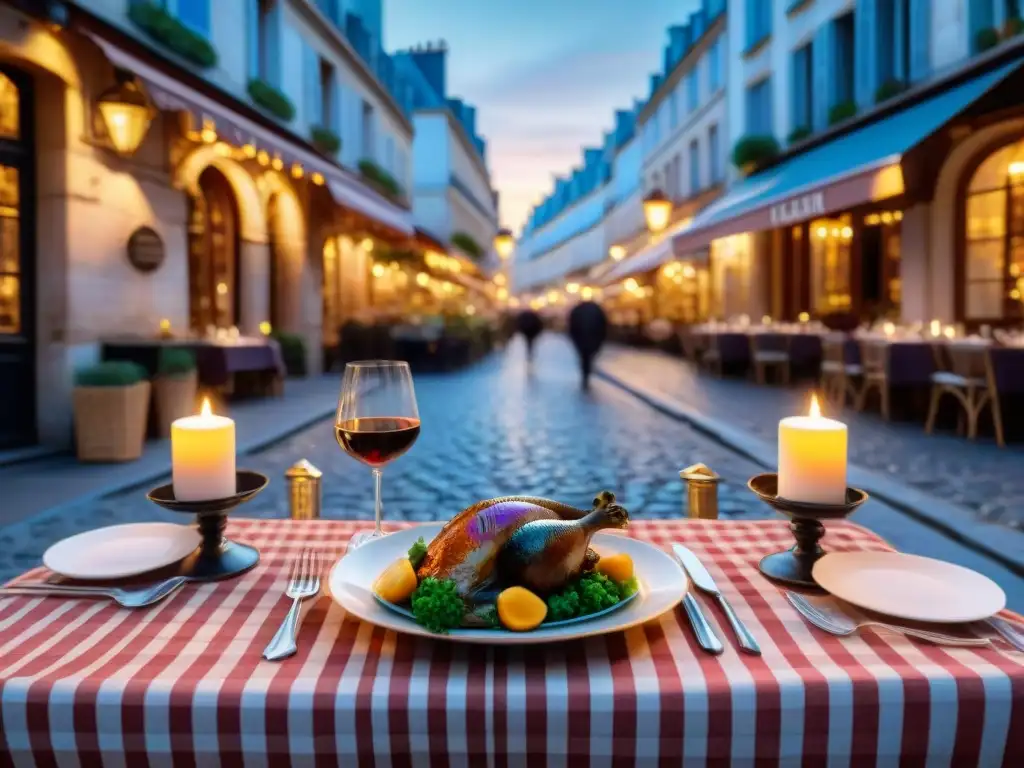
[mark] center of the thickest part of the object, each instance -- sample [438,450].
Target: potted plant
[293,352]
[888,89]
[174,387]
[111,405]
[798,134]
[986,38]
[844,110]
[750,152]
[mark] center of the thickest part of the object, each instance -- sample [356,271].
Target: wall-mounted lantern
[657,210]
[127,114]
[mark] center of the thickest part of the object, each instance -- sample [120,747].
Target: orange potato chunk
[397,583]
[618,568]
[520,610]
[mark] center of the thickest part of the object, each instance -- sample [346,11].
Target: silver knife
[702,580]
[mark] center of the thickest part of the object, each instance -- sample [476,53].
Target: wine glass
[377,420]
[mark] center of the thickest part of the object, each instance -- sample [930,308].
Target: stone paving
[979,476]
[493,429]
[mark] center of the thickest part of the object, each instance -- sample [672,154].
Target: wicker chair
[964,374]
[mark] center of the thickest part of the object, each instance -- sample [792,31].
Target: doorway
[213,254]
[17,240]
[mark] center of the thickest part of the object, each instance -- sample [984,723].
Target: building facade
[452,197]
[190,164]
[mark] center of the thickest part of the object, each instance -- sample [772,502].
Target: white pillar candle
[812,458]
[203,456]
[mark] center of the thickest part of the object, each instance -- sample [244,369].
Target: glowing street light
[657,210]
[504,243]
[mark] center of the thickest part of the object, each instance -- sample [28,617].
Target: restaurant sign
[798,209]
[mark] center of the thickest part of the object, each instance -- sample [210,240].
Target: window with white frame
[759,108]
[367,132]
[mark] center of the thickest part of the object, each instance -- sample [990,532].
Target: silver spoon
[127,598]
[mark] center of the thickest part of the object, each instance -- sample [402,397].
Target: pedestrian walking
[530,325]
[588,327]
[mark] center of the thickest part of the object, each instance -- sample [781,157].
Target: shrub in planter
[752,151]
[293,351]
[844,110]
[986,38]
[325,139]
[379,178]
[798,134]
[888,89]
[153,19]
[271,99]
[468,245]
[111,405]
[174,387]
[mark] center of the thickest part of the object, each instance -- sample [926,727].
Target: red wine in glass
[376,440]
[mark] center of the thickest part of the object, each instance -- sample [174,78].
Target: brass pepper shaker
[304,491]
[701,492]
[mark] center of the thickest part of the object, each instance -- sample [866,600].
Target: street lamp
[127,114]
[504,243]
[657,210]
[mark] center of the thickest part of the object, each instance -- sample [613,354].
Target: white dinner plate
[662,586]
[118,551]
[909,586]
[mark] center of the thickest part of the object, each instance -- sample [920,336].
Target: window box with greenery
[888,89]
[844,110]
[465,243]
[751,152]
[324,139]
[153,19]
[986,38]
[111,406]
[175,387]
[271,99]
[380,178]
[798,134]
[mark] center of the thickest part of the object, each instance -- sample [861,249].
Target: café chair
[770,350]
[840,369]
[726,350]
[963,373]
[1004,370]
[874,355]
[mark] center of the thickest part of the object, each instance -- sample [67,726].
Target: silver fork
[304,582]
[842,624]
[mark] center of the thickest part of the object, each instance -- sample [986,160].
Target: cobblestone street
[495,428]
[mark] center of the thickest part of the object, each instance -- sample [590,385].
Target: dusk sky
[545,75]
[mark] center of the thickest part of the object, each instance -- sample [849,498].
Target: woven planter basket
[175,397]
[110,422]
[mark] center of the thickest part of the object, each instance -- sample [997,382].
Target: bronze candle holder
[217,557]
[794,566]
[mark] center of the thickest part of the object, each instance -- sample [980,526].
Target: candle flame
[815,411]
[206,410]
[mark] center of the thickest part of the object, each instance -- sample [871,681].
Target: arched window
[994,238]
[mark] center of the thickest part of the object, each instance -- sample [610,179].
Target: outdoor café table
[184,682]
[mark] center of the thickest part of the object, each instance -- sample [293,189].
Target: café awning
[860,167]
[170,93]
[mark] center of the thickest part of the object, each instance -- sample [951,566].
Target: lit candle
[812,458]
[203,456]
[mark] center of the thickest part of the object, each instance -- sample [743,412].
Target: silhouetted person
[530,325]
[588,327]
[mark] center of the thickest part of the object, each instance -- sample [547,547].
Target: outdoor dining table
[183,682]
[216,361]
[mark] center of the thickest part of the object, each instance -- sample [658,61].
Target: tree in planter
[175,387]
[752,151]
[468,245]
[844,110]
[153,19]
[271,99]
[324,139]
[111,406]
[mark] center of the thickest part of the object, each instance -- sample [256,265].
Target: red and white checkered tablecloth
[183,683]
